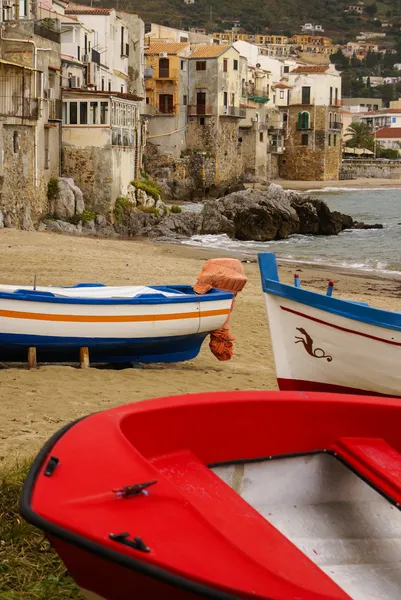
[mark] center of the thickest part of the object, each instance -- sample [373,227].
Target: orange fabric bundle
[224,274]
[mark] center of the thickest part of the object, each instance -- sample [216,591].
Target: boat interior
[343,525]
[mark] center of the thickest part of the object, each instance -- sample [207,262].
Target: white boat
[322,343]
[117,324]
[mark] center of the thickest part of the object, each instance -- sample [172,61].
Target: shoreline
[361,184]
[35,403]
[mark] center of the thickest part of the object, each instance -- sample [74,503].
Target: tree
[360,136]
[371,10]
[341,61]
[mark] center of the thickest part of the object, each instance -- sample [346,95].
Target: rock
[101,221]
[1,220]
[356,225]
[176,225]
[27,223]
[41,226]
[60,226]
[131,194]
[70,200]
[8,222]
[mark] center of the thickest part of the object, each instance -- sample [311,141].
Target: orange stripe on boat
[13,314]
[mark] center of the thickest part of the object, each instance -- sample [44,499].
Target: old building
[167,84]
[30,115]
[214,110]
[313,144]
[103,138]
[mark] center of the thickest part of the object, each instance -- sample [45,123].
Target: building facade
[313,144]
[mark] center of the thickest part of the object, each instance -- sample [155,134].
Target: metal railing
[201,110]
[167,74]
[233,111]
[336,126]
[48,29]
[157,111]
[121,136]
[18,106]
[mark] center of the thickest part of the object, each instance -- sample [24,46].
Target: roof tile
[169,47]
[389,133]
[310,69]
[209,51]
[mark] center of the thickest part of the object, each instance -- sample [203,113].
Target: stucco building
[215,111]
[30,111]
[314,128]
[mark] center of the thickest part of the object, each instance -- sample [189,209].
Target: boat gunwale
[370,315]
[146,299]
[32,517]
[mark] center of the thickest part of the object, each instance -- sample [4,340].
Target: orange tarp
[224,274]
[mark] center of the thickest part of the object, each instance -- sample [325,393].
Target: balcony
[148,73]
[48,29]
[19,107]
[200,110]
[168,74]
[155,111]
[233,111]
[55,110]
[304,127]
[276,149]
[95,56]
[338,103]
[336,126]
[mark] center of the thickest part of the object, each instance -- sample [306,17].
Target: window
[201,65]
[122,89]
[185,100]
[86,43]
[93,113]
[202,121]
[109,85]
[261,136]
[23,9]
[122,42]
[79,52]
[83,113]
[183,65]
[73,113]
[286,69]
[329,142]
[304,139]
[232,99]
[281,94]
[303,120]
[102,84]
[147,99]
[336,96]
[331,96]
[225,65]
[104,113]
[15,142]
[164,67]
[225,101]
[69,77]
[330,120]
[65,114]
[334,140]
[166,105]
[235,65]
[305,95]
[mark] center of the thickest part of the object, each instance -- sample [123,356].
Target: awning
[11,64]
[357,151]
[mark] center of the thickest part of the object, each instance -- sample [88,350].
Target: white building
[311,28]
[386,118]
[389,138]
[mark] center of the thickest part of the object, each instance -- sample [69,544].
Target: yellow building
[229,37]
[165,75]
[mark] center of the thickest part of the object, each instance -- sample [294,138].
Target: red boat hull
[198,537]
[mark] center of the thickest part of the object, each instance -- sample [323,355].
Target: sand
[34,404]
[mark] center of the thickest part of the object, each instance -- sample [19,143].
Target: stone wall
[354,169]
[320,158]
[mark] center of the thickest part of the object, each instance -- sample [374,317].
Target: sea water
[370,249]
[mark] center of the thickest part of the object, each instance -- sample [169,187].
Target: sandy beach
[34,404]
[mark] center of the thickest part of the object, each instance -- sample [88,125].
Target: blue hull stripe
[14,348]
[344,308]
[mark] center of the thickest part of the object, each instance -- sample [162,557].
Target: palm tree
[360,136]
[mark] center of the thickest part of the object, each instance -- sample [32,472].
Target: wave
[351,189]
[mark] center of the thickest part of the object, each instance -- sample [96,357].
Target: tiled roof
[310,69]
[389,132]
[209,51]
[87,11]
[169,47]
[283,86]
[122,95]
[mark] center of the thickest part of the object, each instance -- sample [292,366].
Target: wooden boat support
[32,363]
[84,357]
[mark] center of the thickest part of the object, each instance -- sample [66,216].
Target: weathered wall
[353,169]
[319,160]
[92,170]
[272,167]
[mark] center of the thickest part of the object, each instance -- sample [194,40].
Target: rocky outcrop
[251,214]
[69,201]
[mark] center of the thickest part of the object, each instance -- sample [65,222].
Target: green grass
[176,209]
[150,187]
[29,567]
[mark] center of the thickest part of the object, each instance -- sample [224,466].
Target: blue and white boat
[323,343]
[117,324]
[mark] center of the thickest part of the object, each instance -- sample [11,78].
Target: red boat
[244,495]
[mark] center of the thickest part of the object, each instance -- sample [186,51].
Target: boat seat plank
[243,527]
[376,460]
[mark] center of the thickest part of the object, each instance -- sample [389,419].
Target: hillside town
[98,97]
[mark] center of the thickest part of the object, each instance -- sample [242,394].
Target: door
[305,95]
[164,67]
[166,105]
[201,103]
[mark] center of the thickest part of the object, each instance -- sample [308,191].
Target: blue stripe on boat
[343,308]
[14,348]
[188,295]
